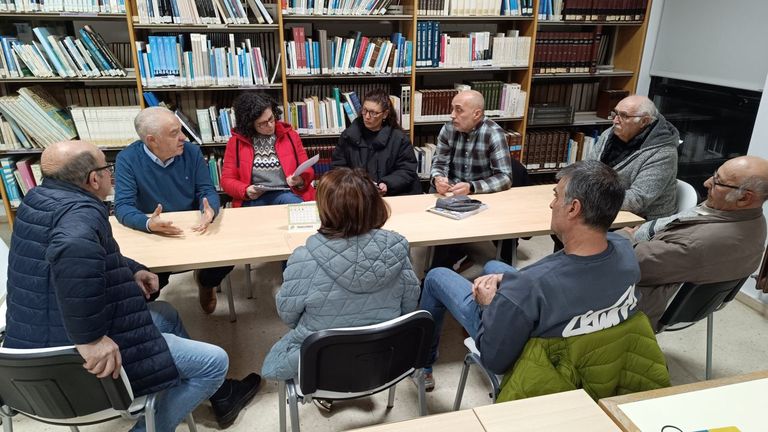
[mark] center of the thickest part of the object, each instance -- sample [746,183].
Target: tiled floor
[740,347]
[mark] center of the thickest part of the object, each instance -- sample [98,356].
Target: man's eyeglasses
[717,183]
[109,167]
[366,112]
[266,122]
[623,115]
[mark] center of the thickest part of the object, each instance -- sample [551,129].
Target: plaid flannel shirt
[479,157]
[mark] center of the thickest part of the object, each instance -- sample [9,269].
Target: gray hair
[756,184]
[597,187]
[75,170]
[646,107]
[148,122]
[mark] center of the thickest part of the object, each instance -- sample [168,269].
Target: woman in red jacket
[262,156]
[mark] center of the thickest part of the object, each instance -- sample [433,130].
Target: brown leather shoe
[207,295]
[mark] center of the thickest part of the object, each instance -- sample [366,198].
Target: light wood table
[260,234]
[458,421]
[611,405]
[567,411]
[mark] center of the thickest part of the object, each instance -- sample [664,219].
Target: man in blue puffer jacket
[69,284]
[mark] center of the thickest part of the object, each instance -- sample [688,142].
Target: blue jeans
[274,198]
[445,289]
[202,368]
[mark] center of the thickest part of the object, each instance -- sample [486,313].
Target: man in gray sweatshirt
[642,147]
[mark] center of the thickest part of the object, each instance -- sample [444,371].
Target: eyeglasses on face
[366,112]
[623,115]
[109,167]
[715,182]
[267,122]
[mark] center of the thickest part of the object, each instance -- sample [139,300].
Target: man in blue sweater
[164,172]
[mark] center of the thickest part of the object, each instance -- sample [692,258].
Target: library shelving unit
[626,45]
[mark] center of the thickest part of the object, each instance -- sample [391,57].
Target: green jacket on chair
[622,359]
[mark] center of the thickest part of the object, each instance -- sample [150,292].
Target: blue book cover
[96,53]
[7,42]
[42,34]
[151,99]
[316,48]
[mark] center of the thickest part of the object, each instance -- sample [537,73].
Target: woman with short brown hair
[351,273]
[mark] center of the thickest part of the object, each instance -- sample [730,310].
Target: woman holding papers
[262,157]
[375,143]
[350,273]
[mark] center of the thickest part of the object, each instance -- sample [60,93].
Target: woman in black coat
[375,143]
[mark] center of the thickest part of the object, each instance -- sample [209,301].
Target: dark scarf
[617,150]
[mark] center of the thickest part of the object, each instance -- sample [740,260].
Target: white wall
[651,36]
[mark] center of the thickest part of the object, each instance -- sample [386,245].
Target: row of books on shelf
[501,99]
[214,125]
[472,50]
[476,8]
[106,126]
[50,6]
[100,96]
[356,54]
[567,52]
[194,60]
[582,96]
[36,118]
[592,10]
[323,164]
[88,56]
[19,177]
[203,12]
[335,7]
[555,149]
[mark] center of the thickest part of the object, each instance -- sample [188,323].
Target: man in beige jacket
[721,239]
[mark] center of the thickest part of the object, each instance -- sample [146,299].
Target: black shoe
[232,396]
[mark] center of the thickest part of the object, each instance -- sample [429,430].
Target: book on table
[456,214]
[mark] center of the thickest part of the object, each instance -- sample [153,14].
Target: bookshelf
[627,38]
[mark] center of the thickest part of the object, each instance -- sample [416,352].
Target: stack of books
[108,126]
[49,6]
[36,118]
[473,50]
[202,12]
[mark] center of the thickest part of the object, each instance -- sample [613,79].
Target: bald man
[69,285]
[472,155]
[642,147]
[163,172]
[721,239]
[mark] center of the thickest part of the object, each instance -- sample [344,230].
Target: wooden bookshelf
[627,45]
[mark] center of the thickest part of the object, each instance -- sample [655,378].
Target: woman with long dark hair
[262,155]
[375,143]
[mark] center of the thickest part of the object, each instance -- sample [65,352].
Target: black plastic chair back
[54,385]
[519,174]
[694,302]
[360,360]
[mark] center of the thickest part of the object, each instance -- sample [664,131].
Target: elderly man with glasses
[642,147]
[719,240]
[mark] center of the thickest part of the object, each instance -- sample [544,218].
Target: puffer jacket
[236,174]
[618,360]
[649,174]
[389,159]
[68,284]
[332,283]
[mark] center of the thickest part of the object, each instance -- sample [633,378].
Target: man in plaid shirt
[472,154]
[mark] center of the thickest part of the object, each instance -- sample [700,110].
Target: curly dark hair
[248,107]
[381,98]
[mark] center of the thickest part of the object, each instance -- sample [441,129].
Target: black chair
[50,385]
[694,302]
[473,357]
[349,363]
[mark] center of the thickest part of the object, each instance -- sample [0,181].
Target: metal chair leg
[710,332]
[293,405]
[422,393]
[230,300]
[391,397]
[248,287]
[6,419]
[149,413]
[462,382]
[191,423]
[74,429]
[281,401]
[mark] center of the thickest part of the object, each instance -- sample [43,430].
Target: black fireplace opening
[715,124]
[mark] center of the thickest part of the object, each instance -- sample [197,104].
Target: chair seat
[136,407]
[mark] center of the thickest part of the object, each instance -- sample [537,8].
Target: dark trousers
[448,255]
[209,278]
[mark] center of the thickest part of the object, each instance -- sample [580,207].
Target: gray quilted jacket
[333,283]
[649,174]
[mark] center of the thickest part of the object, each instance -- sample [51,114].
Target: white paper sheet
[308,163]
[741,405]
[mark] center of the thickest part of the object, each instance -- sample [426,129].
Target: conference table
[260,234]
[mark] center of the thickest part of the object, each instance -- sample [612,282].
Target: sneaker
[324,404]
[207,295]
[463,264]
[429,381]
[232,396]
